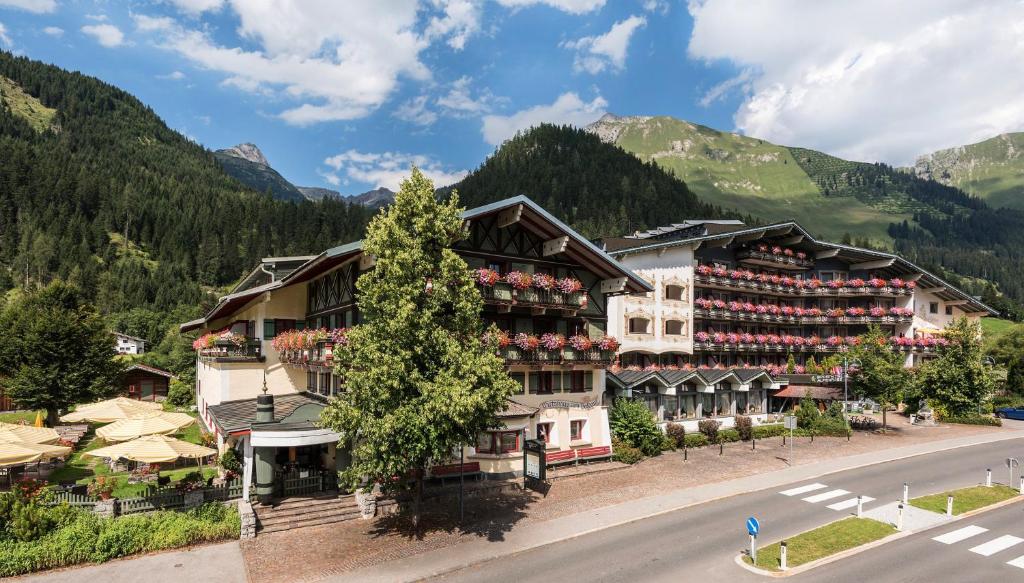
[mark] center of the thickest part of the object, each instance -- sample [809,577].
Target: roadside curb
[868,546]
[466,560]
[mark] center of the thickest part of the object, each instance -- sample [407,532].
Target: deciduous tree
[420,381]
[959,379]
[881,375]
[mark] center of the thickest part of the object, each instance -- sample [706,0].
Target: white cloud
[96,17]
[568,109]
[195,7]
[172,76]
[416,111]
[4,39]
[722,89]
[145,23]
[659,6]
[37,6]
[107,35]
[386,169]
[54,31]
[597,53]
[570,6]
[870,80]
[339,61]
[460,21]
[459,101]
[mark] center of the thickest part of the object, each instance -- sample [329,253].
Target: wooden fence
[162,499]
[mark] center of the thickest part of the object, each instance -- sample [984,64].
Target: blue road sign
[753,526]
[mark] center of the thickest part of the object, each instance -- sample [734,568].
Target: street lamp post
[990,363]
[846,385]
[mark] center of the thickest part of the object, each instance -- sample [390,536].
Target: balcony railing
[782,289]
[250,350]
[775,259]
[568,355]
[711,346]
[504,294]
[319,355]
[722,314]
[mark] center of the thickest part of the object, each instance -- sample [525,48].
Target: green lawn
[19,416]
[966,499]
[823,542]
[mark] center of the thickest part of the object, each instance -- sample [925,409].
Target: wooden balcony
[565,356]
[731,316]
[727,283]
[778,261]
[319,356]
[538,301]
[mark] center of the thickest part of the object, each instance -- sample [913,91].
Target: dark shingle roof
[517,409]
[233,416]
[631,378]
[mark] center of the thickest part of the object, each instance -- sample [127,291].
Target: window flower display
[774,339]
[544,281]
[569,285]
[835,313]
[761,338]
[813,341]
[519,280]
[813,283]
[747,338]
[732,338]
[876,282]
[704,270]
[735,306]
[897,283]
[487,277]
[552,341]
[910,284]
[702,336]
[812,312]
[855,282]
[719,304]
[609,343]
[499,337]
[835,341]
[787,252]
[580,342]
[527,342]
[718,337]
[776,250]
[719,272]
[801,255]
[855,311]
[877,311]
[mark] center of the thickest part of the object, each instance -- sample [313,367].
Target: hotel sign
[534,463]
[570,404]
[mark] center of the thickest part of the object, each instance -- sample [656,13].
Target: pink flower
[704,270]
[735,306]
[608,343]
[719,304]
[812,312]
[732,338]
[835,341]
[761,338]
[787,252]
[774,310]
[799,340]
[877,311]
[801,255]
[813,341]
[487,277]
[855,282]
[876,282]
[910,284]
[799,369]
[852,340]
[719,272]
[748,275]
[527,342]
[543,281]
[569,285]
[749,307]
[813,283]
[775,278]
[764,277]
[835,283]
[702,336]
[518,279]
[552,341]
[580,342]
[735,274]
[747,338]
[762,248]
[718,338]
[776,250]
[787,281]
[896,282]
[788,310]
[835,313]
[762,309]
[855,311]
[774,339]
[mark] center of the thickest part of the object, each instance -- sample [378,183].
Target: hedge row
[84,537]
[974,419]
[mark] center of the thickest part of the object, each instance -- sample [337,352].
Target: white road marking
[852,502]
[803,489]
[826,496]
[960,534]
[997,544]
[1018,562]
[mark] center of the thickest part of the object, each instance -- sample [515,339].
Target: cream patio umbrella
[27,434]
[157,422]
[152,449]
[111,410]
[16,453]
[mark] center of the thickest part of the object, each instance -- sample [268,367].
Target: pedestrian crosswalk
[987,548]
[818,492]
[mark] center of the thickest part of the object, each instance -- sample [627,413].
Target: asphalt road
[699,543]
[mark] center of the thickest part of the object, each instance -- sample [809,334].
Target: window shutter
[269,330]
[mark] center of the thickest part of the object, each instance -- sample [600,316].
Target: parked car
[1010,413]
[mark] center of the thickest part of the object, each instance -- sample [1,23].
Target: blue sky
[348,94]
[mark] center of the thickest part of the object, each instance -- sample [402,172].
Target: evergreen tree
[881,376]
[420,380]
[57,351]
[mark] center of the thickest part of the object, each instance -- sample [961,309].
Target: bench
[593,453]
[455,470]
[560,457]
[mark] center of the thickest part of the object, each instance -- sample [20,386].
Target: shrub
[631,421]
[974,419]
[864,423]
[668,443]
[709,427]
[745,427]
[677,432]
[807,415]
[835,410]
[180,394]
[766,431]
[696,440]
[627,454]
[830,426]
[728,435]
[229,461]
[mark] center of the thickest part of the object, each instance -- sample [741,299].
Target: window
[754,406]
[542,383]
[497,442]
[674,292]
[638,325]
[707,404]
[741,403]
[310,381]
[688,406]
[949,310]
[724,402]
[670,405]
[325,383]
[576,381]
[576,429]
[269,331]
[544,431]
[933,307]
[674,328]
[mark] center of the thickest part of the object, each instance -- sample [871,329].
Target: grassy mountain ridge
[992,169]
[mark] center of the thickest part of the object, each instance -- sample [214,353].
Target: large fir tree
[419,379]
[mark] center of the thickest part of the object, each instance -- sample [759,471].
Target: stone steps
[310,511]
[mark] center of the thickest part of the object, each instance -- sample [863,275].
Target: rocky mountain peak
[247,151]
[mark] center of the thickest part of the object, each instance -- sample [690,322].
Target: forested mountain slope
[992,169]
[110,197]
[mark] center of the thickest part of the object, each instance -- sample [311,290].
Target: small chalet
[146,383]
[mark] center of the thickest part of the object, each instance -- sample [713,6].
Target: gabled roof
[627,379]
[847,252]
[129,337]
[516,409]
[580,249]
[239,415]
[151,369]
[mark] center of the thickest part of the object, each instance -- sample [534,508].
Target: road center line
[960,534]
[997,544]
[826,496]
[803,489]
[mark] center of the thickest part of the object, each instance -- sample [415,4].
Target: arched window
[673,327]
[674,292]
[638,325]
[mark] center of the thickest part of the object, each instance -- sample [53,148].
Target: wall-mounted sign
[570,404]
